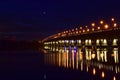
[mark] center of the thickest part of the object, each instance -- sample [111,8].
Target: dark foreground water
[60,64]
[27,65]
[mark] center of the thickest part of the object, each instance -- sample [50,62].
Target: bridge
[102,33]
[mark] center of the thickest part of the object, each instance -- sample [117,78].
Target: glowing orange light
[101,22]
[113,19]
[106,26]
[101,55]
[93,24]
[94,71]
[83,30]
[115,24]
[93,56]
[98,28]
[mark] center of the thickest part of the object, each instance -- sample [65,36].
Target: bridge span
[101,34]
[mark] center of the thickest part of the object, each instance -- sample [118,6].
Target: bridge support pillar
[93,44]
[109,48]
[83,45]
[118,44]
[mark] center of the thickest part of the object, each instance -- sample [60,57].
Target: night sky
[36,19]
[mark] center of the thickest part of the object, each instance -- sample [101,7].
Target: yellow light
[113,19]
[106,26]
[86,26]
[93,24]
[98,28]
[101,22]
[115,24]
[93,56]
[81,56]
[101,55]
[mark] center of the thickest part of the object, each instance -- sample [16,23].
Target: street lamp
[101,22]
[106,26]
[76,32]
[115,25]
[98,28]
[93,24]
[113,19]
[83,30]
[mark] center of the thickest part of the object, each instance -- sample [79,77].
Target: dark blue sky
[41,18]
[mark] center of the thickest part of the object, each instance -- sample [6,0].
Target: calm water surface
[91,63]
[61,63]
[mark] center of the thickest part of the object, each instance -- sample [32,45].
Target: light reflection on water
[99,61]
